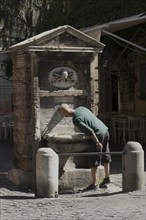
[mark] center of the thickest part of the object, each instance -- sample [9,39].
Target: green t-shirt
[88,123]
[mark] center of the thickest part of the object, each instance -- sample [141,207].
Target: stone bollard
[132,167]
[47,166]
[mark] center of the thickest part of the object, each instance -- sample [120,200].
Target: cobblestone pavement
[104,204]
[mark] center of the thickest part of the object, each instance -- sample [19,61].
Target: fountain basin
[71,142]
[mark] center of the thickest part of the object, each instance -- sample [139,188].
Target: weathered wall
[22,109]
[36,100]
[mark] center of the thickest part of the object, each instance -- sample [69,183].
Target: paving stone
[104,204]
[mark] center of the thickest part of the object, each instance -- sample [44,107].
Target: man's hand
[99,146]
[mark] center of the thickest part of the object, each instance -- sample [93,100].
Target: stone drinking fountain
[57,66]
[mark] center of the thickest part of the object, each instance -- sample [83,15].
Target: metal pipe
[90,153]
[122,39]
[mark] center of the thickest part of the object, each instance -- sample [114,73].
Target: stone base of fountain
[72,181]
[69,143]
[73,170]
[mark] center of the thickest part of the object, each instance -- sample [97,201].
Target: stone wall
[36,99]
[22,110]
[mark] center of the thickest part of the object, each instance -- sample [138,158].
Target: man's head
[65,110]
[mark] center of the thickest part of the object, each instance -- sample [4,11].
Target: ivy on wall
[6,68]
[127,81]
[142,95]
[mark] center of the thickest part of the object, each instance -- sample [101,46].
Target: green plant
[142,95]
[6,67]
[128,80]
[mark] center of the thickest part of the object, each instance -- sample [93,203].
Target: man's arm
[89,131]
[94,138]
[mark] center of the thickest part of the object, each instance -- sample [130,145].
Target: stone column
[94,84]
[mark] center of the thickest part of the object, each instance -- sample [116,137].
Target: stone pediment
[60,37]
[67,40]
